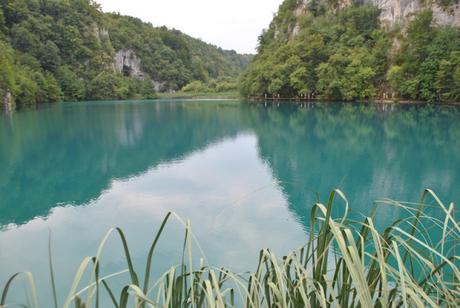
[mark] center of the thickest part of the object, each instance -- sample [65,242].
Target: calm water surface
[245,175]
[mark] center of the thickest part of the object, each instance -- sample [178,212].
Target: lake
[246,175]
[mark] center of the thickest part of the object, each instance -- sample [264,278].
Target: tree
[338,54]
[448,78]
[23,39]
[72,86]
[2,22]
[66,49]
[104,86]
[196,86]
[48,89]
[26,89]
[425,67]
[7,79]
[48,55]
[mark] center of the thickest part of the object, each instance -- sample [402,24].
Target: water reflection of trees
[59,155]
[71,153]
[369,151]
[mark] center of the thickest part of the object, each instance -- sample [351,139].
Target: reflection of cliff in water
[370,152]
[71,153]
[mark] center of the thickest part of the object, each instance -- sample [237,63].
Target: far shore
[199,95]
[374,101]
[236,96]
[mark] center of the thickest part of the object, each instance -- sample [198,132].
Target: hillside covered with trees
[329,51]
[70,50]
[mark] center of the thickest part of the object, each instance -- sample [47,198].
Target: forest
[65,50]
[346,54]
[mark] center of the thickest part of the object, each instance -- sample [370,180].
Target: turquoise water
[245,175]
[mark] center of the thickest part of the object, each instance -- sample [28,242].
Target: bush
[196,86]
[72,86]
[225,86]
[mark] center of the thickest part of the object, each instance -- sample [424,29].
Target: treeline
[345,54]
[65,50]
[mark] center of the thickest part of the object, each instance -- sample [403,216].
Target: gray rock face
[159,86]
[400,11]
[100,33]
[127,63]
[8,102]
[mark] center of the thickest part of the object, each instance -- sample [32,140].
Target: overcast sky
[230,24]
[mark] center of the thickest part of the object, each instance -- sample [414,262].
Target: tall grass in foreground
[344,264]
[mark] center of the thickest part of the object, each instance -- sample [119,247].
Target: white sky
[230,24]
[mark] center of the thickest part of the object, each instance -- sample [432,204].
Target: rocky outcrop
[298,13]
[100,33]
[159,86]
[7,102]
[128,64]
[400,11]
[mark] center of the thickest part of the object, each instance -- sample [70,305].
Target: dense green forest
[346,54]
[70,50]
[66,50]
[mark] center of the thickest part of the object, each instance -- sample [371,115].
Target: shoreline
[199,95]
[271,101]
[371,101]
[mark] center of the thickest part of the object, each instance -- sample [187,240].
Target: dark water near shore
[245,175]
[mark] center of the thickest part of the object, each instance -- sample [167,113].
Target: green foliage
[225,86]
[73,88]
[54,50]
[427,62]
[336,55]
[448,78]
[345,54]
[2,20]
[48,55]
[48,89]
[26,88]
[196,86]
[109,85]
[348,75]
[7,81]
[172,57]
[214,86]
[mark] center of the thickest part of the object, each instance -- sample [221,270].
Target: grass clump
[345,263]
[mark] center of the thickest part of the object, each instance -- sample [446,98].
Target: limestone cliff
[127,63]
[398,12]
